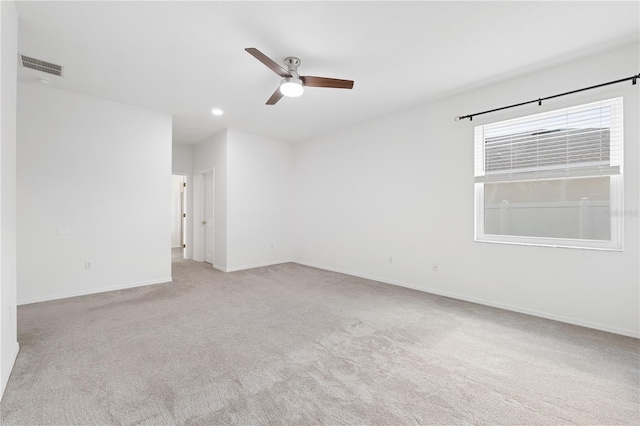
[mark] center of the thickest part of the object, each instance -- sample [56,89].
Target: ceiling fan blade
[326,82]
[277,95]
[268,62]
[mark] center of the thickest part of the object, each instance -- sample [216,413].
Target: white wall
[182,159]
[99,173]
[259,200]
[252,199]
[211,154]
[8,67]
[402,187]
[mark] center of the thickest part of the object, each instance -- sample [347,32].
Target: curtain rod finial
[456,118]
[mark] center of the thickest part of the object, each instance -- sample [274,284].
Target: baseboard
[532,312]
[219,268]
[245,267]
[6,374]
[93,291]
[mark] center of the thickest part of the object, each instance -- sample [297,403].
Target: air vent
[39,65]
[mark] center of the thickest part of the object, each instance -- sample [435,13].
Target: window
[552,179]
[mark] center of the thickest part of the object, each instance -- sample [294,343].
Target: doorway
[178,216]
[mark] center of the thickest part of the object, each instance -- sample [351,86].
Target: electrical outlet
[435,267]
[88,264]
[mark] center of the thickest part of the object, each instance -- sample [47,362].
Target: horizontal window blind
[572,142]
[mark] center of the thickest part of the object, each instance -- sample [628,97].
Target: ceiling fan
[292,84]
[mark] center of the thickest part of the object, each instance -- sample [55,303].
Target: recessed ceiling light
[217,111]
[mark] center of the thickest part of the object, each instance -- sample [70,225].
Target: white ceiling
[185,58]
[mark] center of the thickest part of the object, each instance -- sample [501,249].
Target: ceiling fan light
[291,87]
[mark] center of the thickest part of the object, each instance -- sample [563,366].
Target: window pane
[574,208]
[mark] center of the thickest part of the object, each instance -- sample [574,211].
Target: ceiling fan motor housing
[292,64]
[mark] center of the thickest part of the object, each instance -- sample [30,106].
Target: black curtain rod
[539,100]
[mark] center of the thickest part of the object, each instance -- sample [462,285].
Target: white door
[208,217]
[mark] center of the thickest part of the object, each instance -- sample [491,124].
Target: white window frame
[616,196]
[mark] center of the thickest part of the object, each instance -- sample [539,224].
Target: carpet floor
[290,344]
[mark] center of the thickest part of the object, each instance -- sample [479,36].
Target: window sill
[551,242]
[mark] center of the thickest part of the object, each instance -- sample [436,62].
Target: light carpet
[290,344]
